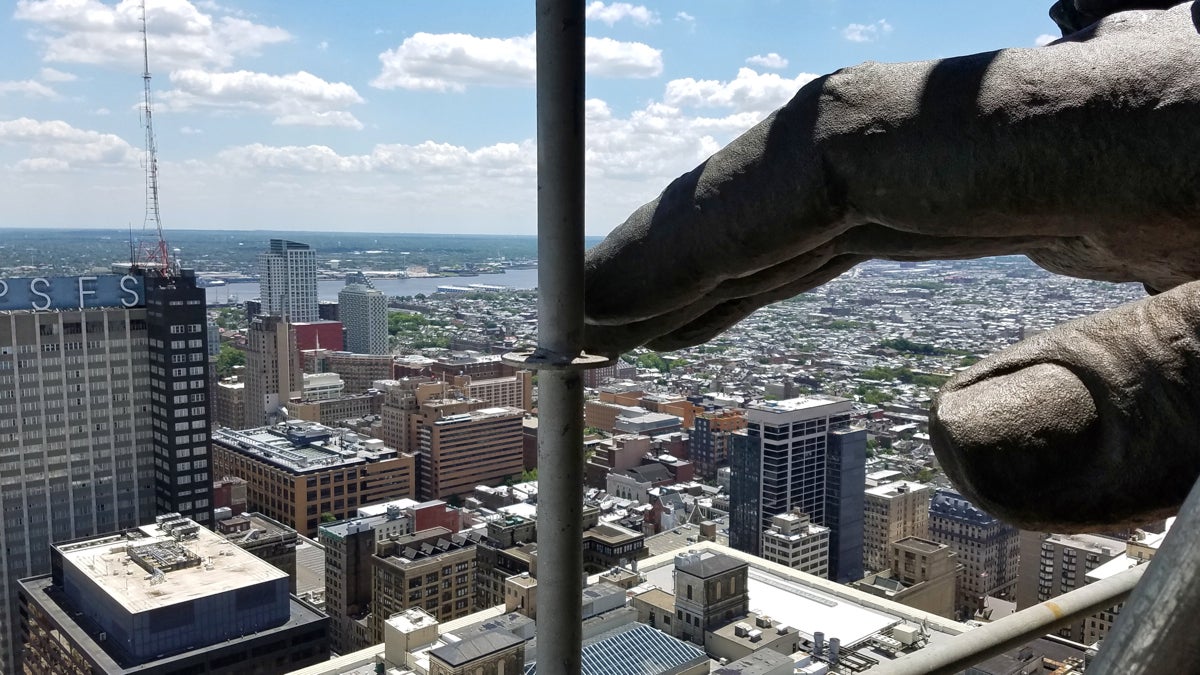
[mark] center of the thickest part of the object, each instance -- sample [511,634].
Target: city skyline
[406,117]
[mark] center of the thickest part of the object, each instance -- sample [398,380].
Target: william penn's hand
[1083,155]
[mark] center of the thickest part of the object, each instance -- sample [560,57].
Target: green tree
[228,358]
[328,517]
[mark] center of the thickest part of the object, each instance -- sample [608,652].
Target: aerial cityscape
[377,451]
[297,439]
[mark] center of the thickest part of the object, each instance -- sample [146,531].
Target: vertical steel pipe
[560,99]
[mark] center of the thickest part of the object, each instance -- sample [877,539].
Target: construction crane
[152,247]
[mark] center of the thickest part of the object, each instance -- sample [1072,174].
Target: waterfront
[327,289]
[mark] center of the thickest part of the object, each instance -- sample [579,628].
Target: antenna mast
[155,254]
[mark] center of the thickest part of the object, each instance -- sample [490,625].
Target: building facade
[98,426]
[287,283]
[922,574]
[987,548]
[458,451]
[893,511]
[170,597]
[431,569]
[300,472]
[177,341]
[800,454]
[273,376]
[793,540]
[711,438]
[349,545]
[1054,564]
[364,313]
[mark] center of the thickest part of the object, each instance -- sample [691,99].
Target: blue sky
[412,115]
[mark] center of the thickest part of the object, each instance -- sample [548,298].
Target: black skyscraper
[176,320]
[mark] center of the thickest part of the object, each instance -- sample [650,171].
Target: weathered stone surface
[1091,424]
[1081,155]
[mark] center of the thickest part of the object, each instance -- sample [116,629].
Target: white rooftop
[223,567]
[803,607]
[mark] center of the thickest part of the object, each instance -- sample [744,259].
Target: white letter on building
[33,289]
[131,291]
[83,292]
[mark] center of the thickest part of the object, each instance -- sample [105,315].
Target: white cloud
[52,75]
[630,157]
[685,17]
[58,145]
[772,61]
[323,46]
[1045,39]
[748,92]
[101,111]
[190,131]
[295,99]
[27,88]
[614,12]
[91,32]
[428,161]
[609,58]
[866,32]
[455,61]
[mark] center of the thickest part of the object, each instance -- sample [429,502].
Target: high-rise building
[1054,564]
[177,339]
[272,373]
[103,413]
[456,452]
[298,472]
[795,541]
[349,545]
[287,284]
[987,549]
[800,454]
[170,597]
[364,312]
[711,438]
[893,511]
[845,480]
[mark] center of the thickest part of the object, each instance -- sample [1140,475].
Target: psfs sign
[42,293]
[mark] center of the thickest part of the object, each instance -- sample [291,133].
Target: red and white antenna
[151,254]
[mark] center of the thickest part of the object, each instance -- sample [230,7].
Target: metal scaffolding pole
[559,358]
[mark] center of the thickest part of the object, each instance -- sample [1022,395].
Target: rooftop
[201,564]
[920,545]
[896,488]
[798,404]
[301,447]
[635,649]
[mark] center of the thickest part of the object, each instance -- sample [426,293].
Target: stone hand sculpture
[1083,155]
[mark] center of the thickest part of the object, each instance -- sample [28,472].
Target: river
[327,289]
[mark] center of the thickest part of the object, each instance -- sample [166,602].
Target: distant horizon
[297,234]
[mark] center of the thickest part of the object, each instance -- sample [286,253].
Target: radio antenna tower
[152,255]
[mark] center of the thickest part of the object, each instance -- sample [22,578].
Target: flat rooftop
[301,447]
[110,562]
[807,603]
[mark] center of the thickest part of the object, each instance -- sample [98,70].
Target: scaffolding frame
[1154,633]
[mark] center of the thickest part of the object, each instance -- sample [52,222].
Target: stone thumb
[1091,425]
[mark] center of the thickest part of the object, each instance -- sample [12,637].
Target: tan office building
[892,512]
[460,450]
[433,569]
[298,471]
